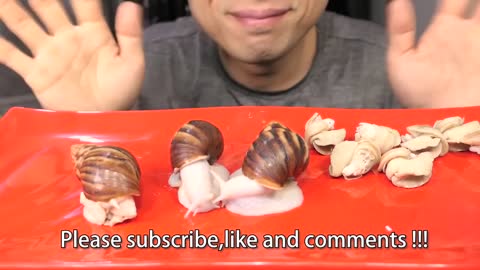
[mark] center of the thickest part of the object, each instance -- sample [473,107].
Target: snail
[352,159]
[110,178]
[321,135]
[423,138]
[194,152]
[266,183]
[406,169]
[384,138]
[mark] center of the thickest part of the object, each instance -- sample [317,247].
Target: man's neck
[279,75]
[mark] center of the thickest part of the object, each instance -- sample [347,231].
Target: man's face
[256,31]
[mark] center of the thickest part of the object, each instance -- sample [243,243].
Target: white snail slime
[266,183]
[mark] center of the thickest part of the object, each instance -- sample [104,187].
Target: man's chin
[259,57]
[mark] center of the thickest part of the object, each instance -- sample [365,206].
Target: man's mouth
[259,14]
[266,17]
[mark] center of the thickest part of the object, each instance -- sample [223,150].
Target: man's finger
[401,26]
[52,14]
[129,29]
[15,59]
[88,11]
[453,7]
[17,19]
[476,14]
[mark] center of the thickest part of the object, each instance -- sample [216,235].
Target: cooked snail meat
[384,138]
[475,149]
[352,159]
[110,178]
[321,135]
[422,138]
[464,137]
[405,169]
[448,123]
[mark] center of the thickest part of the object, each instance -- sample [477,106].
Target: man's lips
[259,14]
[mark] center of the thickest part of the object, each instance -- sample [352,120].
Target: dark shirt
[184,70]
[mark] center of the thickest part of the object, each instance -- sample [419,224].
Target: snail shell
[273,125]
[266,182]
[106,172]
[277,155]
[194,141]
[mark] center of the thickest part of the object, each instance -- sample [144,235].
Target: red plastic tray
[39,195]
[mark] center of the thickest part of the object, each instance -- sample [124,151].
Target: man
[244,52]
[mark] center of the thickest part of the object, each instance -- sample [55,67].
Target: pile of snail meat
[407,161]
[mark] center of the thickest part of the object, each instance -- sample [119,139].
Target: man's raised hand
[76,66]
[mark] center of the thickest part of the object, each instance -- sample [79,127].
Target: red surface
[39,195]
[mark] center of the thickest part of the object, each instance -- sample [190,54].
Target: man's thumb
[401,26]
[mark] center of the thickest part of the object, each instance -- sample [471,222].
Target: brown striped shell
[194,141]
[106,172]
[276,156]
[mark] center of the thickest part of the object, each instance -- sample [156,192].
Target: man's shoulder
[354,30]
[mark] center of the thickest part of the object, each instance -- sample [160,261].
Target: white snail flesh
[321,135]
[405,169]
[352,159]
[384,138]
[195,150]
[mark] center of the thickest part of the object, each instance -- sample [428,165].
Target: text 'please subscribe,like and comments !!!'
[235,239]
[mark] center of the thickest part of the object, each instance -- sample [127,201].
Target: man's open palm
[443,69]
[76,66]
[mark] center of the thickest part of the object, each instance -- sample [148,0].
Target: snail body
[266,182]
[194,152]
[110,177]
